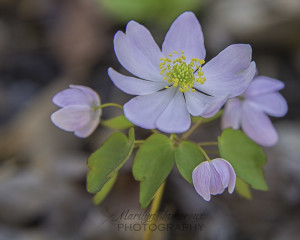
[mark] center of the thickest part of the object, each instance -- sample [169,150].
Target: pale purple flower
[212,177]
[250,110]
[80,112]
[171,83]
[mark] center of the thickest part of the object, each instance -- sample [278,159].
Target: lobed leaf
[152,164]
[104,163]
[188,156]
[119,123]
[246,157]
[243,188]
[105,190]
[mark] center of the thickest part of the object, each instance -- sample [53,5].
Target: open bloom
[251,109]
[80,112]
[171,83]
[212,177]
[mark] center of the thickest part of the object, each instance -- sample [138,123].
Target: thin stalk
[208,143]
[153,210]
[204,153]
[213,151]
[192,129]
[139,141]
[110,105]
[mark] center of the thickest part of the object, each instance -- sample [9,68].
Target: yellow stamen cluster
[181,74]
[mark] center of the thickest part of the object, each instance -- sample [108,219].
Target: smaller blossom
[250,110]
[212,177]
[80,112]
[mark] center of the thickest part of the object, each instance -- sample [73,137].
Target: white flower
[171,83]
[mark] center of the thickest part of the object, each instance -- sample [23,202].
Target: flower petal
[257,125]
[232,178]
[222,170]
[144,110]
[214,106]
[199,104]
[92,96]
[262,85]
[72,118]
[196,102]
[226,173]
[134,58]
[185,34]
[201,180]
[229,73]
[175,118]
[134,86]
[216,185]
[69,97]
[143,40]
[90,127]
[231,115]
[273,104]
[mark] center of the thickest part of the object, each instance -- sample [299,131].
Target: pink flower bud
[212,177]
[80,112]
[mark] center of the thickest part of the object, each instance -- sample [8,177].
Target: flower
[250,110]
[212,177]
[80,111]
[171,83]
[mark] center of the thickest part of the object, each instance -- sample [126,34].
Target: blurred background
[47,45]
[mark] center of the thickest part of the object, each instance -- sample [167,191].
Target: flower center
[180,74]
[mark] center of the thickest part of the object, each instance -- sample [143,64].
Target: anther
[180,74]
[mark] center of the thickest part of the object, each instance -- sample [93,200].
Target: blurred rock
[23,197]
[9,233]
[78,36]
[71,167]
[97,224]
[288,230]
[265,22]
[286,162]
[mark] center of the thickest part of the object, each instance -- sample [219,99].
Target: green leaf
[206,120]
[242,188]
[99,197]
[152,164]
[108,159]
[161,12]
[246,157]
[118,123]
[187,157]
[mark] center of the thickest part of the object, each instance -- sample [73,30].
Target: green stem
[173,137]
[153,210]
[213,151]
[208,143]
[110,105]
[154,131]
[192,129]
[204,153]
[138,143]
